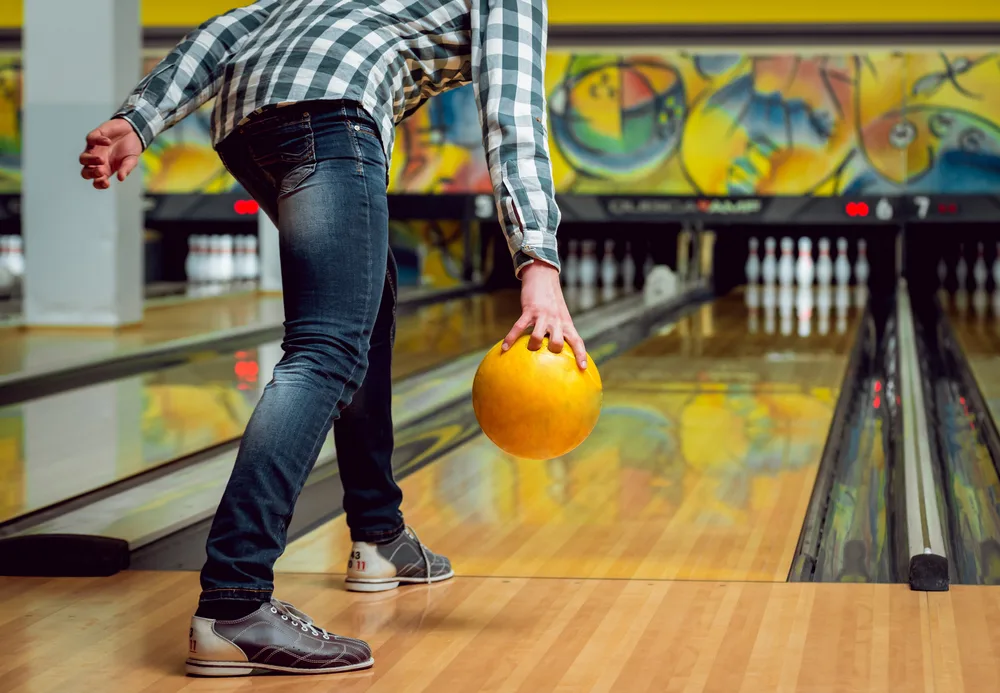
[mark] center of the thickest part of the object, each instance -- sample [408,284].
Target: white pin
[628,268]
[226,271]
[804,265]
[842,267]
[609,267]
[571,270]
[752,267]
[648,265]
[824,265]
[191,261]
[979,271]
[786,266]
[588,264]
[962,268]
[769,268]
[15,262]
[942,271]
[253,261]
[861,267]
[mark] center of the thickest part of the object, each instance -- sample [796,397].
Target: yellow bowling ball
[536,404]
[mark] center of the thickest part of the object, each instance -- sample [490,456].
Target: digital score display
[925,208]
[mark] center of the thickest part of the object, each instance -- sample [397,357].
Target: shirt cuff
[529,254]
[144,119]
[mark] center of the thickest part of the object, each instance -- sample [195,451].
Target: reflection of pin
[588,296]
[804,265]
[769,269]
[979,304]
[753,302]
[860,296]
[786,304]
[942,270]
[607,292]
[571,272]
[842,302]
[752,267]
[824,302]
[804,305]
[996,269]
[842,267]
[996,304]
[609,267]
[769,302]
[962,301]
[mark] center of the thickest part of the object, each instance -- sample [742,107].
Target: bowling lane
[700,468]
[975,319]
[57,447]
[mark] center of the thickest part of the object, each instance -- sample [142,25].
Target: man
[308,94]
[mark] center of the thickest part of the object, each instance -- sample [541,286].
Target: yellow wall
[191,12]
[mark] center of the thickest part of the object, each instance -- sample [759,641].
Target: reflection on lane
[700,467]
[57,447]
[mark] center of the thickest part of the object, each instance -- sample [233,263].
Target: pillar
[83,247]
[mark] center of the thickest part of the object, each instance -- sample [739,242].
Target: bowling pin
[824,266]
[979,272]
[191,261]
[804,265]
[769,268]
[962,302]
[962,268]
[842,267]
[588,264]
[609,268]
[824,303]
[571,270]
[15,260]
[979,303]
[752,267]
[769,301]
[861,267]
[628,268]
[226,262]
[942,272]
[786,266]
[253,260]
[648,265]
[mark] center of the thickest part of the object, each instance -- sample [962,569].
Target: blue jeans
[318,171]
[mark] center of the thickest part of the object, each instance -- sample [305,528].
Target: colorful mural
[678,123]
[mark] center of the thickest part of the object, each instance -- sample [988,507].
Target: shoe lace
[297,618]
[423,552]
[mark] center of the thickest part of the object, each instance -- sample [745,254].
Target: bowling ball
[536,404]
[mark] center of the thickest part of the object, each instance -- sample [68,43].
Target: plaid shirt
[390,56]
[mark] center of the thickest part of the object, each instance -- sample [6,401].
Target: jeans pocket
[285,152]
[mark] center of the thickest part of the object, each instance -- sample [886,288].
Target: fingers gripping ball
[536,404]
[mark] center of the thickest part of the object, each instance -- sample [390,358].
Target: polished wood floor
[652,559]
[521,635]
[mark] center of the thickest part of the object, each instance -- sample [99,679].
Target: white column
[270,257]
[83,247]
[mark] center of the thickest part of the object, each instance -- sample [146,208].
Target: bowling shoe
[404,560]
[277,638]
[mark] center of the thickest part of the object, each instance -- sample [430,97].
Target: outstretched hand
[544,308]
[112,149]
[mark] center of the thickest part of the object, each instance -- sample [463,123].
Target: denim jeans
[318,171]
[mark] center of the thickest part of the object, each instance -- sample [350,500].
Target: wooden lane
[700,468]
[114,430]
[978,333]
[129,633]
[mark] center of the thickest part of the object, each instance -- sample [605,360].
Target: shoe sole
[386,584]
[221,669]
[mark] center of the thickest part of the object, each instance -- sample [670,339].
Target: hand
[113,148]
[543,306]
